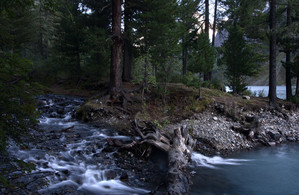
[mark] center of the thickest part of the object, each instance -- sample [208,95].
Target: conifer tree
[202,57]
[239,59]
[69,40]
[156,33]
[287,39]
[187,27]
[17,105]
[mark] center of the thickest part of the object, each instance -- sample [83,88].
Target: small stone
[124,177]
[110,174]
[251,134]
[271,143]
[215,118]
[246,97]
[65,171]
[118,143]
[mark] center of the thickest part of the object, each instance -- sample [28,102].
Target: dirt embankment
[220,122]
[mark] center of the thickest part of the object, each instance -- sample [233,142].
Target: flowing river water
[273,170]
[76,156]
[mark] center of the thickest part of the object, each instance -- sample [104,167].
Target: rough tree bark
[179,147]
[179,155]
[288,60]
[214,23]
[272,56]
[116,53]
[207,23]
[207,28]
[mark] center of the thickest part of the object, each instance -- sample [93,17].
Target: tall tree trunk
[207,27]
[207,23]
[288,60]
[214,23]
[184,57]
[116,54]
[127,68]
[272,56]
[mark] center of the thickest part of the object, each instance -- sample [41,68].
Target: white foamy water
[110,187]
[75,166]
[211,162]
[79,162]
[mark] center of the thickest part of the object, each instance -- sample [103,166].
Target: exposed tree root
[178,147]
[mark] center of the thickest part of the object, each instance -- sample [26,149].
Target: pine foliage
[240,59]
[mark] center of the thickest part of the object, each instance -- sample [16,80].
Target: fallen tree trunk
[179,148]
[179,155]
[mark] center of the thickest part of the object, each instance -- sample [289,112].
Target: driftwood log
[179,148]
[179,155]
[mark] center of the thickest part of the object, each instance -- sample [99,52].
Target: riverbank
[221,123]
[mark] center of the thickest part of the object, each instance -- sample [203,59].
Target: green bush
[191,80]
[139,70]
[295,99]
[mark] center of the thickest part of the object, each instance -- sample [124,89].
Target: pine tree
[187,27]
[239,59]
[69,40]
[17,105]
[156,34]
[202,57]
[287,39]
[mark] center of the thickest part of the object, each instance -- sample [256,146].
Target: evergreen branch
[103,8]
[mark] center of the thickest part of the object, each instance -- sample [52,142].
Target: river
[74,155]
[271,170]
[262,91]
[76,158]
